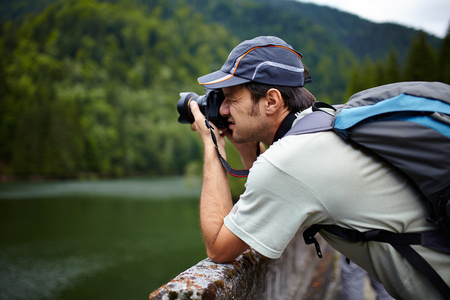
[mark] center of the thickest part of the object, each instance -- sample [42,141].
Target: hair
[295,98]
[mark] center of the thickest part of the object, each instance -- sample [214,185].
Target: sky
[432,16]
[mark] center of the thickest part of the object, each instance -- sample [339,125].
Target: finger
[196,111]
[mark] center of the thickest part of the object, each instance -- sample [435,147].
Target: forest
[88,88]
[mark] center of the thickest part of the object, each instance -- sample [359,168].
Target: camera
[209,105]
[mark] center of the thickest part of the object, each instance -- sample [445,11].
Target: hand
[248,151]
[199,125]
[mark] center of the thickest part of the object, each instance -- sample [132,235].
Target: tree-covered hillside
[332,42]
[89,88]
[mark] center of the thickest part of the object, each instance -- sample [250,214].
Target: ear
[274,101]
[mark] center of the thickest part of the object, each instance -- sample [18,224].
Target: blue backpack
[408,125]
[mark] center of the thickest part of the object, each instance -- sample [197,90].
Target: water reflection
[96,245]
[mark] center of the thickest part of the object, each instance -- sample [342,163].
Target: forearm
[215,200]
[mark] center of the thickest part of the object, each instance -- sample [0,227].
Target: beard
[250,129]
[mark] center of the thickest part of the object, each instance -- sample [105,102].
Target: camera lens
[185,110]
[209,105]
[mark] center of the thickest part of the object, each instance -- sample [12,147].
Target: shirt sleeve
[272,209]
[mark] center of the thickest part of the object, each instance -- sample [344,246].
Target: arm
[215,200]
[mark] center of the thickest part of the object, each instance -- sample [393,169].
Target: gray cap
[264,59]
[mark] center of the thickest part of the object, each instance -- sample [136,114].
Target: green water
[117,239]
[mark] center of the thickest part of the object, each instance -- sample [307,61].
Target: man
[300,180]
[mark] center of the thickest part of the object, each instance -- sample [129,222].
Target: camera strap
[226,165]
[285,126]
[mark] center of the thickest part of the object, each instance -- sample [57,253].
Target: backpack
[408,125]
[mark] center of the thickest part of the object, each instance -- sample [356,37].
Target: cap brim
[219,79]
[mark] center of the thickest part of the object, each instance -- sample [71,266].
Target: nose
[224,109]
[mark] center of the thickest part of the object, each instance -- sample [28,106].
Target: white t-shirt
[319,179]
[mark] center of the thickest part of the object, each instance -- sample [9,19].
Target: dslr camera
[209,105]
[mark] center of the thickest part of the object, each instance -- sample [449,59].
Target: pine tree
[422,61]
[392,73]
[444,59]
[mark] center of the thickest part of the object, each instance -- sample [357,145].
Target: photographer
[300,180]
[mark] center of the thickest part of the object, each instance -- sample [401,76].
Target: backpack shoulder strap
[321,119]
[435,239]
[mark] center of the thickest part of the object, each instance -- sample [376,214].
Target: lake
[106,239]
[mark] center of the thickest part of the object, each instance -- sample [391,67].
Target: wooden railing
[297,274]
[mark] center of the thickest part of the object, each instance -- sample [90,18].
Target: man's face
[243,114]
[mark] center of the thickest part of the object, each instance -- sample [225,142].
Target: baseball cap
[264,59]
